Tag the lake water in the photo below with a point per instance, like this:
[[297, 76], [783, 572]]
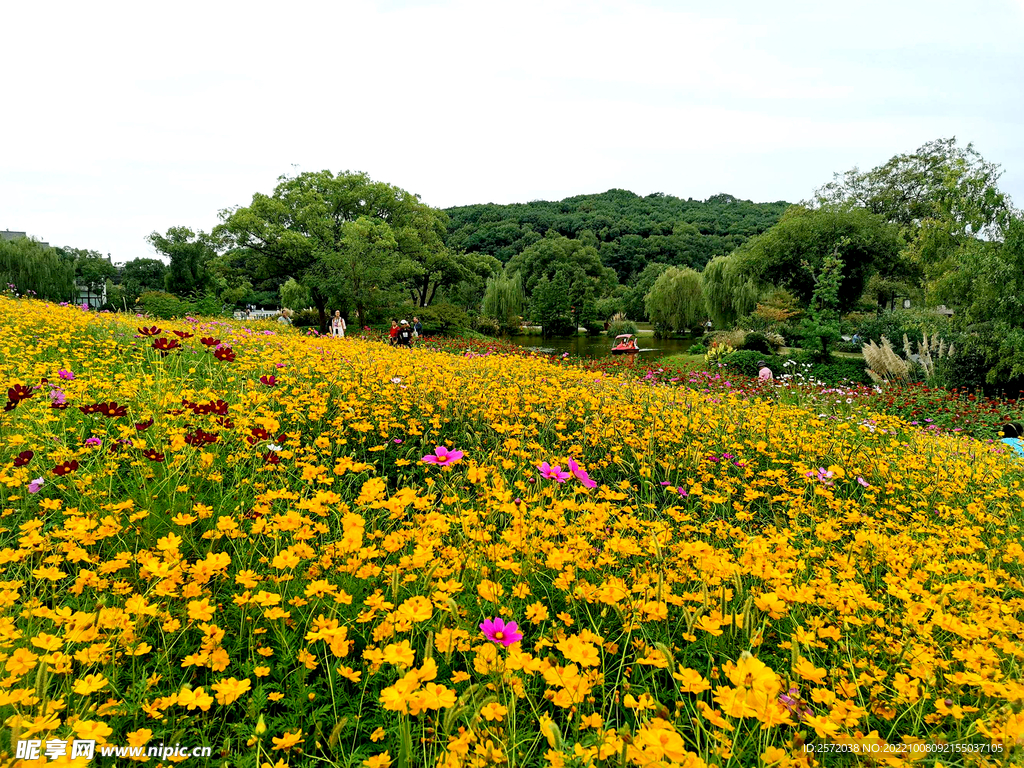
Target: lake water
[[601, 346]]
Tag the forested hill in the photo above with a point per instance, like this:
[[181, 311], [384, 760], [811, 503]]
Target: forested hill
[[628, 230]]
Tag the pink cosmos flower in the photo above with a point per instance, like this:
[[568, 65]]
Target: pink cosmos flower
[[581, 474], [863, 482], [497, 631], [66, 375], [36, 484], [553, 473], [442, 457], [94, 441]]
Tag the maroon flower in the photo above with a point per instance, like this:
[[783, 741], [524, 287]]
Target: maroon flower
[[112, 410], [270, 381], [23, 458], [218, 407], [18, 392], [66, 468], [225, 354], [150, 331], [200, 438], [89, 409], [225, 422], [152, 455], [271, 457], [257, 434], [209, 341], [165, 346], [183, 334], [142, 426]]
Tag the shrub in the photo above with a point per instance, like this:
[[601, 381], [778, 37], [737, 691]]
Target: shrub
[[697, 348], [620, 325], [758, 342], [162, 305], [306, 318], [439, 318], [746, 361], [487, 326]]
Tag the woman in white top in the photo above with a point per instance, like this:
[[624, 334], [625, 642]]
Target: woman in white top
[[338, 325]]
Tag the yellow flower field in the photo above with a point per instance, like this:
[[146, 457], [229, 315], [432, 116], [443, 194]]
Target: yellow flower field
[[229, 537]]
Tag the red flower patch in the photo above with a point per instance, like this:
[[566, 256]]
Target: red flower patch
[[23, 458], [200, 438], [225, 354], [183, 334], [142, 426], [150, 331], [209, 341], [152, 455], [66, 468], [112, 410]]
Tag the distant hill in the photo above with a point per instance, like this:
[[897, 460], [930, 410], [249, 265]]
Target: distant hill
[[628, 230]]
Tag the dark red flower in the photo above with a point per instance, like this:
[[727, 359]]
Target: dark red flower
[[152, 455], [225, 422], [200, 438], [269, 381], [183, 334], [225, 354], [10, 405], [19, 392], [23, 458], [165, 346], [218, 407], [258, 434], [66, 468], [151, 331], [142, 426], [209, 341], [271, 457], [175, 411], [89, 409], [112, 410]]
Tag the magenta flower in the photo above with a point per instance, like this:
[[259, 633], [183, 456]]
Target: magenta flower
[[442, 457], [36, 484], [581, 474], [863, 482], [66, 375], [94, 441], [497, 631], [553, 473]]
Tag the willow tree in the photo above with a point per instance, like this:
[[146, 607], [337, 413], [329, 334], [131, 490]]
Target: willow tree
[[35, 269], [676, 300], [731, 289], [504, 300]]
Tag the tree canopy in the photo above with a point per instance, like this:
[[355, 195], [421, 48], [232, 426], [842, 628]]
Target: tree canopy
[[34, 268]]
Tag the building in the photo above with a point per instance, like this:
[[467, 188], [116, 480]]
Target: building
[[7, 234]]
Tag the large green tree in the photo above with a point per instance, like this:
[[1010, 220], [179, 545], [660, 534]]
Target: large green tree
[[140, 275], [190, 254], [346, 237], [92, 270], [555, 252], [35, 269], [504, 301], [676, 300]]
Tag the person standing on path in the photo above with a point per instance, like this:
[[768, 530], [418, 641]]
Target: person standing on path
[[338, 325], [417, 328]]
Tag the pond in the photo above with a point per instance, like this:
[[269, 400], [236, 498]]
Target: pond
[[601, 346]]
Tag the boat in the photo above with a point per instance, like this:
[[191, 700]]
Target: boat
[[625, 344]]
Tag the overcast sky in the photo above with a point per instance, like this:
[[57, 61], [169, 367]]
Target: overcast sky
[[120, 119]]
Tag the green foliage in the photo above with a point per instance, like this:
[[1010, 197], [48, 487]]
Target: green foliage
[[556, 253], [305, 318], [92, 270], [730, 289], [550, 306], [627, 230], [609, 306], [140, 275], [438, 318], [190, 254], [619, 327], [634, 299], [33, 268], [697, 348], [504, 301], [758, 342], [676, 300], [821, 327], [162, 305], [294, 295], [746, 361], [349, 240]]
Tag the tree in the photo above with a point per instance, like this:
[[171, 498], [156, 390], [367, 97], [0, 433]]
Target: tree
[[190, 254], [295, 295], [92, 270], [555, 252], [343, 236], [676, 300], [820, 327], [504, 300], [35, 269], [551, 307], [634, 300], [731, 287], [141, 275]]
